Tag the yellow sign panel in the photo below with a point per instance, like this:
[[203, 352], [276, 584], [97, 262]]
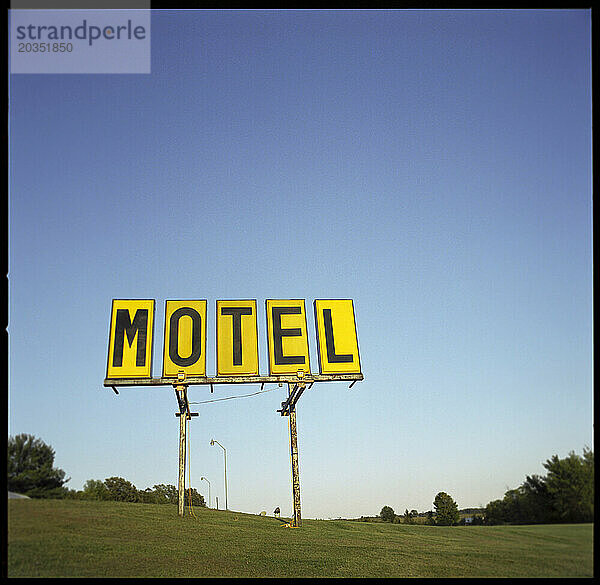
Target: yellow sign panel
[[185, 338], [237, 338], [287, 336], [130, 339], [337, 341]]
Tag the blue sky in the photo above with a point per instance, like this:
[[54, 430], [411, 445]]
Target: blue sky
[[433, 166]]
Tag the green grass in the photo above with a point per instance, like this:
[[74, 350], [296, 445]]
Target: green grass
[[70, 538]]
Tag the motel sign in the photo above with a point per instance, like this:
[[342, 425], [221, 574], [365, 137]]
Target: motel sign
[[131, 337], [130, 348]]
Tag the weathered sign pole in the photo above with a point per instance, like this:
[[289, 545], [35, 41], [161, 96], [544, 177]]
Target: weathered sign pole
[[182, 441], [288, 408], [295, 470], [184, 415]]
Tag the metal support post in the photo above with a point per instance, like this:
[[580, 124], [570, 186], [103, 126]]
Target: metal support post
[[295, 470], [182, 398]]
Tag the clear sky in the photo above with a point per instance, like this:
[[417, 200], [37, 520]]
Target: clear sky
[[433, 166]]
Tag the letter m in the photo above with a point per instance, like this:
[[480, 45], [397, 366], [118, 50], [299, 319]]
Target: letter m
[[125, 327]]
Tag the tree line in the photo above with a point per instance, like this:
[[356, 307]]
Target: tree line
[[564, 495], [120, 490], [446, 513], [31, 472]]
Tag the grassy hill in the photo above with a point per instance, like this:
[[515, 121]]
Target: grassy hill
[[70, 538]]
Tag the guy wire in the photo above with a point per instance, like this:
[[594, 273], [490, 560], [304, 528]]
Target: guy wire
[[239, 396]]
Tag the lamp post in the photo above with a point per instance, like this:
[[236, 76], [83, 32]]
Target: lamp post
[[208, 482], [212, 442]]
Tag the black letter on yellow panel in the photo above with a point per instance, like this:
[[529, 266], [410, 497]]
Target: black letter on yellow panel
[[196, 336], [332, 357], [124, 326], [236, 313], [279, 333]]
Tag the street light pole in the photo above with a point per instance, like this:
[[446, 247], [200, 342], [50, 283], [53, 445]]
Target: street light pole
[[212, 442], [208, 482]]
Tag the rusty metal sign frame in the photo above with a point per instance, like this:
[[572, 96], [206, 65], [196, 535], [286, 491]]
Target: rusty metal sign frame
[[203, 380]]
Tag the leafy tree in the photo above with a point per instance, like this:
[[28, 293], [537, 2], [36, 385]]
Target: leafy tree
[[95, 489], [570, 485], [537, 504], [566, 494], [147, 496], [197, 499], [121, 490], [477, 520], [69, 494], [519, 506], [30, 468], [387, 514], [166, 494], [496, 512], [446, 510]]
